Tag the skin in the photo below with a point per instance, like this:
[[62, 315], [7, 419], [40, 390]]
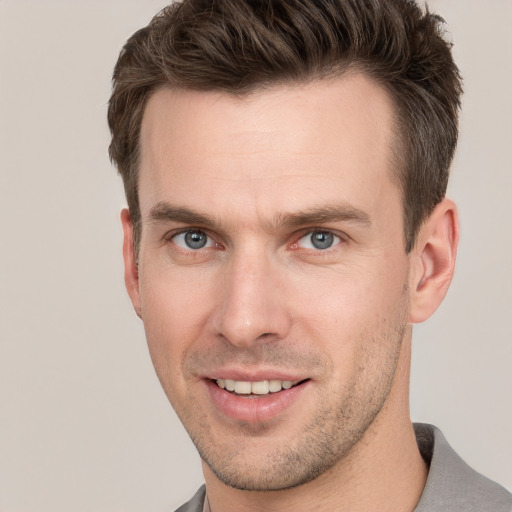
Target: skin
[[258, 175]]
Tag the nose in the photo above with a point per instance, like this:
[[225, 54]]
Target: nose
[[252, 305]]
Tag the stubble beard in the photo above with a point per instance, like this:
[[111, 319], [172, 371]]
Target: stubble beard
[[335, 429]]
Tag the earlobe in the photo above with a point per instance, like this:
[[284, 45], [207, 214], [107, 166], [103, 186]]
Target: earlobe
[[433, 263], [131, 272]]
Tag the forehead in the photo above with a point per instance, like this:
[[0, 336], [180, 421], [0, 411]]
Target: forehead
[[275, 149]]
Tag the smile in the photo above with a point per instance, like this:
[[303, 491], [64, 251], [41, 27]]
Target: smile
[[255, 401], [263, 387]]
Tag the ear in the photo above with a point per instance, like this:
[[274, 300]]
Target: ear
[[433, 260], [131, 272]]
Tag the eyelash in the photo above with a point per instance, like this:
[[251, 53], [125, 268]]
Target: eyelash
[[171, 236], [339, 239]]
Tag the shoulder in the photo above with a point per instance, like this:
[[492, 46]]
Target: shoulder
[[453, 485], [196, 503]]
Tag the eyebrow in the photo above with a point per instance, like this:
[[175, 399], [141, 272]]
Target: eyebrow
[[323, 215], [165, 212]]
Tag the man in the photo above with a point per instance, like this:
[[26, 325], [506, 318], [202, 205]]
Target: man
[[285, 165]]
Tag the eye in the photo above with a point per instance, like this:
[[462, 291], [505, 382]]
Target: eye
[[194, 239], [319, 240]]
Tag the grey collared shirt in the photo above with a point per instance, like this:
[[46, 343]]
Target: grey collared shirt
[[452, 486]]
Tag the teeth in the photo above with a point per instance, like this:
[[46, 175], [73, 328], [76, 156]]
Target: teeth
[[242, 388], [274, 385], [260, 388], [263, 387], [230, 384]]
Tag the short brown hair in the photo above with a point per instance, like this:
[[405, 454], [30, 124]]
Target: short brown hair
[[238, 46]]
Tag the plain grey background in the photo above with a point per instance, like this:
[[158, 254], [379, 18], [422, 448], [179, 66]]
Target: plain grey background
[[84, 425]]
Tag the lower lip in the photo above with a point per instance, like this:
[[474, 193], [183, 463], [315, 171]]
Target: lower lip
[[254, 408]]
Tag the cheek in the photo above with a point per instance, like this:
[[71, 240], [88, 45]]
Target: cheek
[[174, 297], [175, 312], [339, 300], [339, 309]]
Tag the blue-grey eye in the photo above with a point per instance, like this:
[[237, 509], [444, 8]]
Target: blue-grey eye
[[319, 240], [194, 239]]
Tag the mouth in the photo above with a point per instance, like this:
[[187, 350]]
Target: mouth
[[259, 388], [258, 399]]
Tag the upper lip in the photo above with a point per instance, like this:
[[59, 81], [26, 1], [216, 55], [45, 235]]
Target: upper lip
[[257, 375]]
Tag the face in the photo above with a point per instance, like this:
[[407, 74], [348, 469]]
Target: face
[[272, 275]]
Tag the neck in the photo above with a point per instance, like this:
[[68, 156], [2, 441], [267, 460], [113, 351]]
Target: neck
[[383, 472]]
